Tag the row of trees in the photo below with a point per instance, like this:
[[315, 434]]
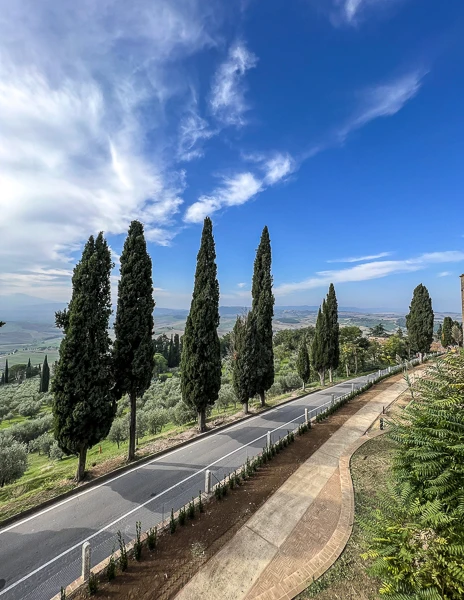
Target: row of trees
[[450, 333], [22, 371], [169, 349]]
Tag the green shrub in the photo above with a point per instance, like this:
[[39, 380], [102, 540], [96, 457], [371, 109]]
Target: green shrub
[[172, 523], [93, 584], [182, 516], [123, 562], [111, 568], [138, 543], [200, 503], [191, 509], [151, 538]]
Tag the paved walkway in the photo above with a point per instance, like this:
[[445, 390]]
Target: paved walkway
[[300, 531]]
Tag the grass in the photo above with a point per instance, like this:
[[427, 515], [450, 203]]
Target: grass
[[36, 356], [347, 579]]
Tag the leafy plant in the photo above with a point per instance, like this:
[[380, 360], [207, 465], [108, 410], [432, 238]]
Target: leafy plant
[[138, 543], [172, 522], [151, 538], [111, 568], [200, 503], [123, 561], [62, 594], [182, 516], [191, 509], [93, 584]]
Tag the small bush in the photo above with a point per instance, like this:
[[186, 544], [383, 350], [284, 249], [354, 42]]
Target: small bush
[[182, 516], [172, 523], [191, 509], [138, 543], [123, 562], [63, 594], [93, 584], [232, 481], [218, 492], [151, 538], [224, 488], [111, 568]]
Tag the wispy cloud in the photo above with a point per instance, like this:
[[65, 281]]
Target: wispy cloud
[[360, 258], [228, 90], [444, 274], [241, 187], [371, 270], [351, 12], [383, 100], [73, 152], [241, 285]]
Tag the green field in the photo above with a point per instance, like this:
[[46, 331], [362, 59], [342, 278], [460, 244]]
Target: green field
[[22, 356]]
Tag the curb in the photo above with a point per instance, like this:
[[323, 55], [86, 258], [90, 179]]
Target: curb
[[139, 463]]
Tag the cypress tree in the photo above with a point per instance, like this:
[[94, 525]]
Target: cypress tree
[[201, 351], [419, 321], [29, 369], [244, 358], [263, 307], [133, 326], [83, 405], [45, 377], [320, 346], [333, 331], [3, 379], [176, 350], [6, 372], [171, 358], [446, 332], [303, 363]]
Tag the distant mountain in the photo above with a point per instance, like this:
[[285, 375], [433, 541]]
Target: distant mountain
[[21, 307]]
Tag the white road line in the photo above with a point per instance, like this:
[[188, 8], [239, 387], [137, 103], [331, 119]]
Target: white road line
[[16, 583], [108, 481]]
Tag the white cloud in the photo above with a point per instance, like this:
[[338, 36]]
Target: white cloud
[[383, 100], [351, 12], [444, 274], [227, 94], [241, 285], [241, 187], [360, 258], [370, 270], [193, 130], [75, 103]]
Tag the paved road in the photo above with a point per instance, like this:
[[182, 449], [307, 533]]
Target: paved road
[[42, 553]]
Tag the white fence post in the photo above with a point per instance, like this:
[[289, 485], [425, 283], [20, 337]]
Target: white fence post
[[268, 439], [86, 561], [207, 482], [306, 415]]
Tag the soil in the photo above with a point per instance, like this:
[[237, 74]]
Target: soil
[[162, 573]]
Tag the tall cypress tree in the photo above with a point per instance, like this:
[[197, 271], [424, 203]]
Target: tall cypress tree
[[201, 351], [303, 363], [45, 376], [29, 369], [333, 332], [419, 321], [176, 350], [244, 358], [83, 405], [263, 308], [7, 380], [171, 358], [320, 346], [133, 326], [446, 332]]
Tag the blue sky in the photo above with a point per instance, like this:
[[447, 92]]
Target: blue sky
[[336, 123]]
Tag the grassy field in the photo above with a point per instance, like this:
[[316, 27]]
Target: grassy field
[[347, 579], [22, 356]]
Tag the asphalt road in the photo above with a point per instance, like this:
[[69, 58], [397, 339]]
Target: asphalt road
[[41, 553]]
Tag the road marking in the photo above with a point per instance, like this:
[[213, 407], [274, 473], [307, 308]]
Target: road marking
[[137, 467], [79, 544]]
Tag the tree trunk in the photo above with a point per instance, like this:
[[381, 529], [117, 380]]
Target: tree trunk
[[263, 398], [133, 408], [304, 386], [245, 408], [420, 357], [330, 375], [347, 370], [322, 377], [355, 363], [202, 420], [81, 464]]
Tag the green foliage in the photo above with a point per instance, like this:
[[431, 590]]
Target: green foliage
[[263, 311], [93, 584], [111, 568], [191, 509], [152, 538], [123, 560], [13, 459], [45, 376], [303, 364], [62, 594], [417, 534], [133, 326], [378, 331], [83, 405], [172, 522], [138, 543], [6, 373], [201, 353], [333, 327], [245, 358], [200, 503], [291, 339], [319, 347], [456, 333], [419, 321], [446, 336], [182, 516]]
